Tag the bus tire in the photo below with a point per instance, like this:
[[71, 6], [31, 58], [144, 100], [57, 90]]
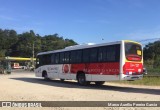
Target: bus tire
[[81, 79], [62, 80], [98, 83], [44, 75]]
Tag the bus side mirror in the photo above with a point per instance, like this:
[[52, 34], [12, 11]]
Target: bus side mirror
[[37, 64]]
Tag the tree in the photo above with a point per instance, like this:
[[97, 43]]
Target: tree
[[152, 54], [21, 45]]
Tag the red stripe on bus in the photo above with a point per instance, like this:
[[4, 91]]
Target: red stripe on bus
[[97, 68]]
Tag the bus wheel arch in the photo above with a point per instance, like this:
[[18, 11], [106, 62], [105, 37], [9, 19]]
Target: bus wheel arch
[[45, 75]]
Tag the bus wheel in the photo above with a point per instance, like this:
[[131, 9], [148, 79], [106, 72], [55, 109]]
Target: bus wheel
[[62, 80], [45, 75], [82, 79], [99, 83]]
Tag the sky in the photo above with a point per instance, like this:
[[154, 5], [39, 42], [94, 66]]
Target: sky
[[84, 21]]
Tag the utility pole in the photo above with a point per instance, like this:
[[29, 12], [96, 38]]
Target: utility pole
[[33, 53], [33, 50]]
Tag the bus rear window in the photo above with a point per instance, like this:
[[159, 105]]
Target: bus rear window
[[133, 52]]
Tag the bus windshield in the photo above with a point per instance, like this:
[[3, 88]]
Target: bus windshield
[[133, 51]]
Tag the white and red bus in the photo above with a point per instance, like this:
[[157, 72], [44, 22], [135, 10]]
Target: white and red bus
[[121, 60]]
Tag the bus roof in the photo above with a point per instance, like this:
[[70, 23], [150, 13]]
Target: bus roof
[[132, 41], [83, 46]]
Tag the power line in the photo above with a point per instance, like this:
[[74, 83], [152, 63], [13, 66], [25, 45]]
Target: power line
[[144, 40]]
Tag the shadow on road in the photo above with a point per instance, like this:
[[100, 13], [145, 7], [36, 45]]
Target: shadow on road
[[67, 84]]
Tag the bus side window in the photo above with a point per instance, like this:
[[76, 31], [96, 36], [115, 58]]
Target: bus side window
[[61, 58], [56, 58], [67, 57], [48, 59], [79, 56], [111, 53], [52, 58], [73, 57], [86, 55], [93, 55], [76, 56], [118, 52], [43, 62], [102, 54]]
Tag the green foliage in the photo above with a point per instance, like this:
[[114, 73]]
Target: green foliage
[[2, 53], [151, 81], [152, 55], [153, 71], [21, 45]]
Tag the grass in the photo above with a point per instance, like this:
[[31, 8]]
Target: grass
[[149, 81], [153, 71]]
